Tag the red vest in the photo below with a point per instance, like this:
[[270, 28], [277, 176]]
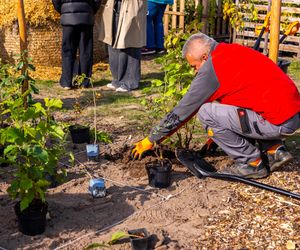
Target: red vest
[[251, 80]]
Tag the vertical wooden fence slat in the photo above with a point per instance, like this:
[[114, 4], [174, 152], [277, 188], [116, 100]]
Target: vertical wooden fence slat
[[166, 21], [266, 37], [181, 17], [174, 17]]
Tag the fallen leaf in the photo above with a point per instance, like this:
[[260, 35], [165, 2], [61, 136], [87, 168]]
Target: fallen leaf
[[290, 245]]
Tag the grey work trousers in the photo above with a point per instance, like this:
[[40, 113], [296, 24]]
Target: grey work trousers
[[226, 131]]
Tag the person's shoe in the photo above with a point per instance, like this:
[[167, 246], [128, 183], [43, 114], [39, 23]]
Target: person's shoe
[[110, 86], [252, 170], [160, 51], [122, 89], [66, 87], [146, 51], [277, 156]]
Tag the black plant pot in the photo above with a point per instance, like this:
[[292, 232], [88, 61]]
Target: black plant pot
[[53, 182], [283, 64], [2, 164], [32, 220], [159, 173], [140, 242], [80, 134]]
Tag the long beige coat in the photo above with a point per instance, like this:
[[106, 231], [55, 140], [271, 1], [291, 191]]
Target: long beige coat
[[131, 31]]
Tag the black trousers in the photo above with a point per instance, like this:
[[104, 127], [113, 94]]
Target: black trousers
[[74, 38]]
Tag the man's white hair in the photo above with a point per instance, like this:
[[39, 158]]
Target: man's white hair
[[197, 45]]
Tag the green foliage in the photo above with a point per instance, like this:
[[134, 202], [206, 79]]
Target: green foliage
[[118, 236], [168, 92], [101, 136], [114, 239], [236, 13], [294, 70], [192, 12], [33, 140], [212, 13]]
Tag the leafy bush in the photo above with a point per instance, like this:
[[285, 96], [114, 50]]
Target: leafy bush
[[168, 92], [33, 140]]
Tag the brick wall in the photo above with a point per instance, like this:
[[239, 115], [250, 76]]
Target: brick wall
[[44, 45]]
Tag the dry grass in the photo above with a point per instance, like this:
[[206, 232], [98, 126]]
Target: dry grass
[[37, 12]]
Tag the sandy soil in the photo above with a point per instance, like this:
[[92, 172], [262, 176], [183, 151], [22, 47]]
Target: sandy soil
[[190, 214]]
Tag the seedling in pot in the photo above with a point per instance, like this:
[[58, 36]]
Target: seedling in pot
[[159, 171], [139, 239], [79, 133], [35, 143], [93, 150]]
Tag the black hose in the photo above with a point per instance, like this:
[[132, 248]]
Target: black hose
[[250, 182], [257, 43]]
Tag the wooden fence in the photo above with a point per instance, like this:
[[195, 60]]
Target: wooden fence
[[212, 21], [290, 11]]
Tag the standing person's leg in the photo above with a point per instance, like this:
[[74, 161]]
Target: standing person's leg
[[113, 54], [129, 73], [151, 14], [86, 52], [113, 59], [70, 41], [159, 28]]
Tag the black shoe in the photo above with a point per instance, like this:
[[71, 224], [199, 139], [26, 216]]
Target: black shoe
[[160, 51], [249, 171], [278, 157], [146, 51]]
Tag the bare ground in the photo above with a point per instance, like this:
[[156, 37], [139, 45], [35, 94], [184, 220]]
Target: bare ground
[[190, 214]]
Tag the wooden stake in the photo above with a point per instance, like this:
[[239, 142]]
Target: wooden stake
[[23, 44], [275, 30]]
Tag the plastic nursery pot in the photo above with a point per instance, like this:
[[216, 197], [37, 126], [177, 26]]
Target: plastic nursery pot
[[32, 220], [79, 133], [283, 64], [92, 152], [159, 173], [53, 182], [97, 188], [139, 239], [2, 164]]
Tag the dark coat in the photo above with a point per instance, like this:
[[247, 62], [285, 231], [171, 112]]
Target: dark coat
[[76, 12]]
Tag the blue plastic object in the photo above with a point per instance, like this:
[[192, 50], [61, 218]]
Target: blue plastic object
[[97, 188], [92, 152]]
